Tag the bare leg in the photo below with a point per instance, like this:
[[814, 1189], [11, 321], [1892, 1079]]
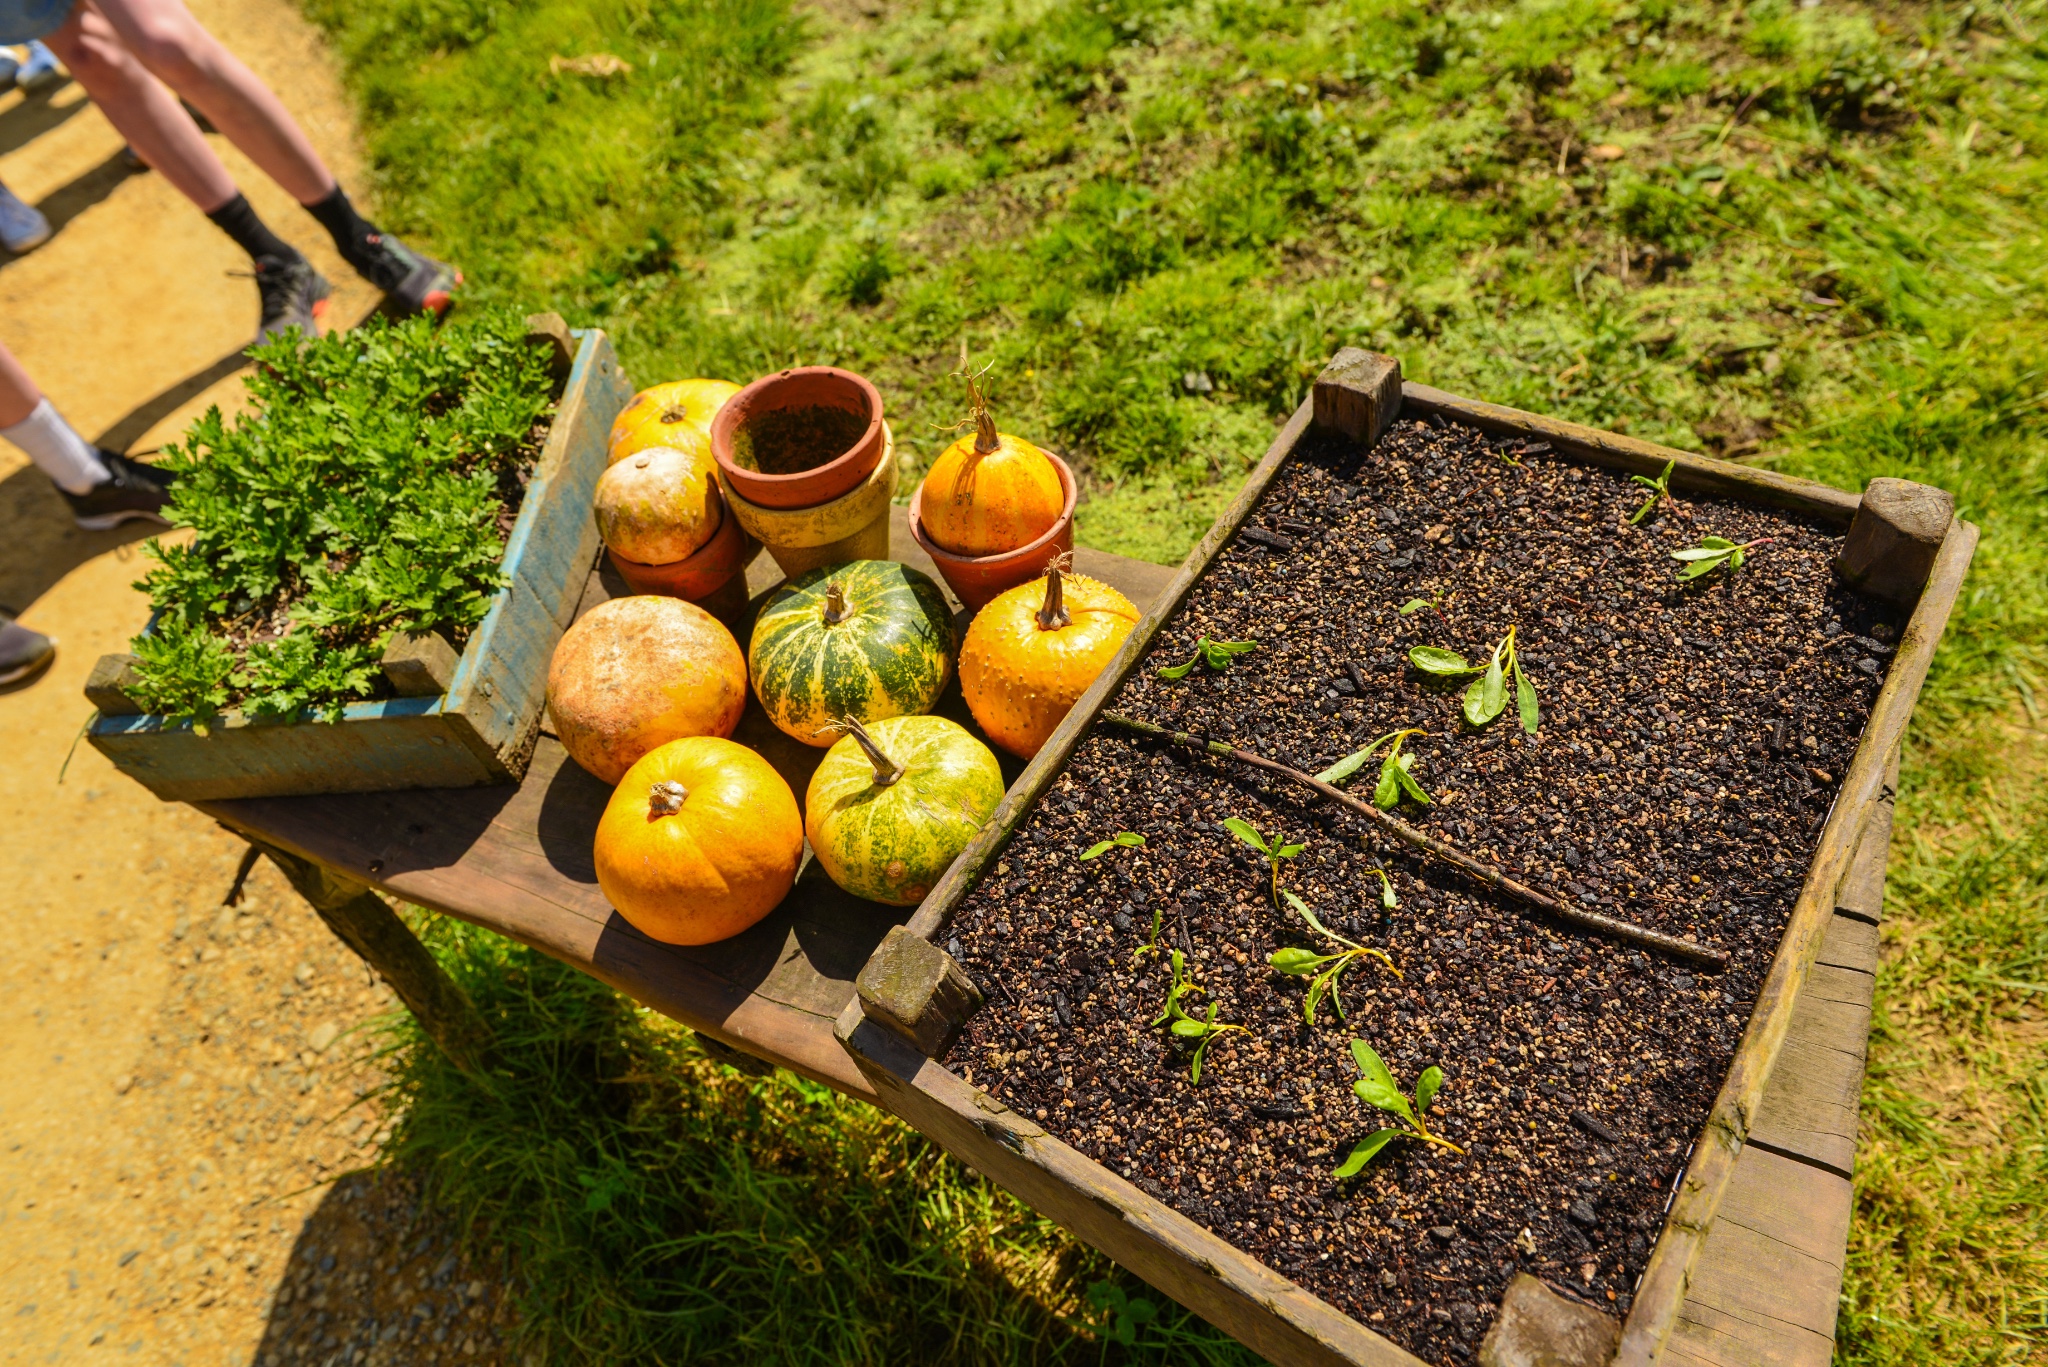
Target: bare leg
[[165, 37], [141, 110], [18, 393]]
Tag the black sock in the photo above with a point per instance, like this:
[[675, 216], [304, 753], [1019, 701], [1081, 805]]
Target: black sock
[[352, 233], [251, 234]]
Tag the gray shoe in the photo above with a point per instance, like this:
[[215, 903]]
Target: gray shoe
[[23, 652], [22, 226], [40, 73], [294, 295]]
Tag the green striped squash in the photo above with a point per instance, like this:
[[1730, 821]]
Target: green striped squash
[[868, 639], [889, 842]]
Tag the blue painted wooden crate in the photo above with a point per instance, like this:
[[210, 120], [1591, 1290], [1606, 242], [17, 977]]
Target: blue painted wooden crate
[[482, 729]]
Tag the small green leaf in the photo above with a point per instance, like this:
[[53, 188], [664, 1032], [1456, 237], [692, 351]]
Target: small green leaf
[[1496, 691], [1351, 763], [1525, 699], [1735, 558], [1387, 898], [1388, 791], [1288, 851], [1297, 962], [1376, 1086], [1363, 1151], [1695, 570], [1442, 663], [1187, 1028], [1130, 840], [1426, 1088], [1248, 833], [1414, 605], [1475, 703], [1096, 849], [1316, 992], [1409, 785], [1179, 671]]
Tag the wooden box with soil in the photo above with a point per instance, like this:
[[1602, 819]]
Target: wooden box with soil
[[1656, 862], [452, 719]]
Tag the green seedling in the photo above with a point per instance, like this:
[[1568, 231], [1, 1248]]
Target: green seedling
[[1396, 777], [1487, 697], [1713, 552], [1217, 654], [1324, 970], [1200, 1028], [1434, 604], [1375, 1087], [1660, 489], [1276, 852], [1130, 840], [1150, 946]]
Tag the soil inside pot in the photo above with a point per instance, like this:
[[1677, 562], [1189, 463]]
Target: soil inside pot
[[789, 441], [1691, 741]]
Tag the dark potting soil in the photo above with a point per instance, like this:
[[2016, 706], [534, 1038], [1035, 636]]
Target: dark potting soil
[[1692, 738], [789, 441]]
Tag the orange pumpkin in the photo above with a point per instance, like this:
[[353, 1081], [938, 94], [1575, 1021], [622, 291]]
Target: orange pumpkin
[[990, 492], [676, 414], [657, 506], [700, 840], [1033, 651], [635, 673]]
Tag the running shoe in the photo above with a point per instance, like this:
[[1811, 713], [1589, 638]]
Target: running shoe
[[294, 295], [40, 73], [23, 652], [133, 491], [22, 226], [414, 282]]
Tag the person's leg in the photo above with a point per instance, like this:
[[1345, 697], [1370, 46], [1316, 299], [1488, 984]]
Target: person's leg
[[104, 489]]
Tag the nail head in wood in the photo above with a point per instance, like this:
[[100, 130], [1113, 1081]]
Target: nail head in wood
[[551, 330], [420, 666], [1892, 542], [1358, 394], [1537, 1327], [107, 687], [914, 988]]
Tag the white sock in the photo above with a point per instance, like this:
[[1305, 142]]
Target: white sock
[[71, 462]]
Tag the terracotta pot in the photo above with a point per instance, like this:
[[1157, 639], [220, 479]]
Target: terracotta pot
[[700, 574], [814, 386], [854, 526], [975, 579]]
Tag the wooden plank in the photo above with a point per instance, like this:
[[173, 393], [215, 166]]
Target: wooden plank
[[1693, 473], [1238, 1294]]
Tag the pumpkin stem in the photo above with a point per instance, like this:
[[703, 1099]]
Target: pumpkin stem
[[1053, 614], [666, 798], [835, 604], [986, 439], [673, 414], [887, 770]]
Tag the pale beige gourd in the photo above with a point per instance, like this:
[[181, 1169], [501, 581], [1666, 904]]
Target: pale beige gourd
[[658, 506]]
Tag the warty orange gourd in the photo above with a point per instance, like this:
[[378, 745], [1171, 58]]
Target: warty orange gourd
[[1033, 651]]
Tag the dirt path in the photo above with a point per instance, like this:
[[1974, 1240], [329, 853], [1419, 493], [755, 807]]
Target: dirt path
[[178, 1084]]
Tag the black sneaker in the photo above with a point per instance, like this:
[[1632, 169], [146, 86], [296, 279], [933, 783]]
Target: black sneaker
[[23, 652], [412, 282], [133, 491], [294, 296]]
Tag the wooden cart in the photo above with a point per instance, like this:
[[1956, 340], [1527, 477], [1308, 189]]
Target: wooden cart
[[1749, 1266]]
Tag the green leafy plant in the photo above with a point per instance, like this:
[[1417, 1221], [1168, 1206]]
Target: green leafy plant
[[1487, 697], [1325, 970], [1277, 851], [1216, 654], [1713, 552], [361, 493], [1375, 1087], [1435, 604], [1660, 489], [1175, 1017], [1396, 777], [1151, 946], [1129, 840], [1122, 1315]]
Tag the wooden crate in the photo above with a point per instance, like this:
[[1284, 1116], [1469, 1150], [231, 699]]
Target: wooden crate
[[1903, 542], [482, 729]]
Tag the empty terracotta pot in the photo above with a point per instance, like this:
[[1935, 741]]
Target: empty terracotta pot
[[700, 574], [854, 526], [799, 438], [975, 579]]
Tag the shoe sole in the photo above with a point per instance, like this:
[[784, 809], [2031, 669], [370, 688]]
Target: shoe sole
[[24, 245], [106, 522], [31, 669]]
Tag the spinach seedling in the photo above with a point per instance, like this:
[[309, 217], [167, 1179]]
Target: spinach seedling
[[1434, 604], [1275, 852], [1130, 840], [1375, 1087], [1713, 552], [1323, 970], [1175, 1017], [1218, 654], [1396, 780], [1487, 697], [1150, 946], [1660, 489]]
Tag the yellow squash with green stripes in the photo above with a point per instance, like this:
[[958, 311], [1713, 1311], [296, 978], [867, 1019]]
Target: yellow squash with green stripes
[[893, 803], [867, 639]]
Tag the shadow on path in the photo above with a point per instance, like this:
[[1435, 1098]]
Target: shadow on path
[[36, 116]]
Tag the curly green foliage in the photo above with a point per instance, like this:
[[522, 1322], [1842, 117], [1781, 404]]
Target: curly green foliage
[[359, 495]]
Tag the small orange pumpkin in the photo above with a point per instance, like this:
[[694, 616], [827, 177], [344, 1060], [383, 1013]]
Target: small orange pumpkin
[[658, 506], [700, 840], [990, 492], [1033, 651], [675, 414], [638, 672]]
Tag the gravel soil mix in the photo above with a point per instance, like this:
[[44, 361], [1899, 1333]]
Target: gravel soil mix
[[1691, 740]]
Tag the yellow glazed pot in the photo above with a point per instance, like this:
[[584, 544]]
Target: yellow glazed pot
[[854, 526]]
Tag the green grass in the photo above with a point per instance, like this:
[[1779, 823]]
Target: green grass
[[1808, 236]]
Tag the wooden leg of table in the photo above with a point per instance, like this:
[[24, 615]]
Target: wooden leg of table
[[367, 924]]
